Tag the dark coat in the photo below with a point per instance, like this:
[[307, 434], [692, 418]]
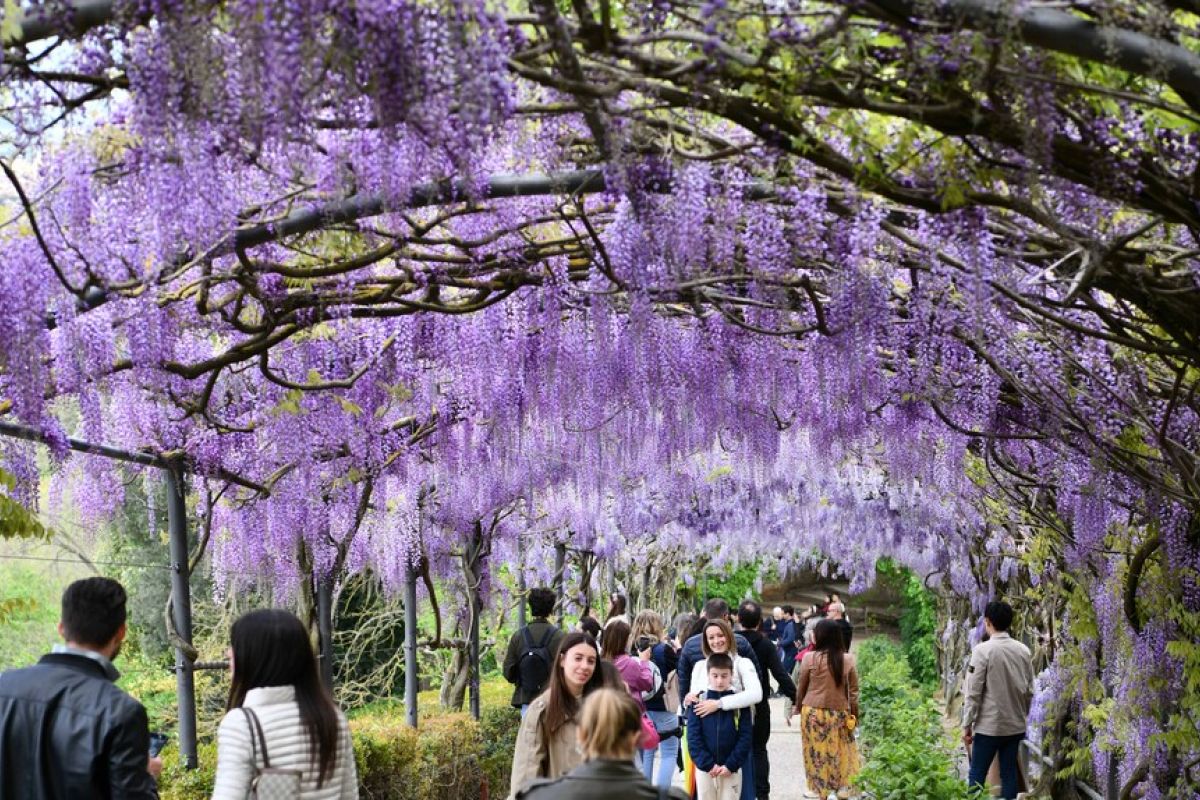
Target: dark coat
[[600, 780], [723, 738], [693, 651], [68, 733], [769, 663], [787, 640], [516, 648]]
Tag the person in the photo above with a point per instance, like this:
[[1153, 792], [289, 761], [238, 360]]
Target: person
[[837, 613], [827, 696], [66, 731], [609, 729], [636, 672], [999, 691], [684, 625], [787, 636], [530, 655], [547, 744], [751, 616], [693, 649], [590, 626], [616, 609], [276, 698], [719, 743], [771, 624], [648, 627]]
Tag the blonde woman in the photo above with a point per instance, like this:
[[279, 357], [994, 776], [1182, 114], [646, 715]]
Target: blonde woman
[[648, 629], [609, 730]]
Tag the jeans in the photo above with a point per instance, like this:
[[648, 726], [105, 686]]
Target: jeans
[[983, 749], [668, 748]]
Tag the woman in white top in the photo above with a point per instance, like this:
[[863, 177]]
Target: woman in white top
[[275, 680], [718, 638]]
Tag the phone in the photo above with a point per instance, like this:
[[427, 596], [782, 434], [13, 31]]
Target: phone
[[157, 742]]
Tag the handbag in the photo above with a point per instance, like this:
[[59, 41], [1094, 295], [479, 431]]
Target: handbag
[[650, 739], [851, 720], [267, 782]]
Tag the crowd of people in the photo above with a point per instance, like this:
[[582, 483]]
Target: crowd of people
[[612, 709], [701, 688]]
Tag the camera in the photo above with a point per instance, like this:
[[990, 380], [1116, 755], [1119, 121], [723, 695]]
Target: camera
[[644, 643]]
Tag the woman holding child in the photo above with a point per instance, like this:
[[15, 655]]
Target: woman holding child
[[744, 692]]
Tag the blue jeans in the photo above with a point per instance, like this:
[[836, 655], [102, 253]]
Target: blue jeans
[[667, 750], [984, 748]]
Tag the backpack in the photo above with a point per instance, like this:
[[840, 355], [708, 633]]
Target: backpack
[[533, 666], [656, 681]]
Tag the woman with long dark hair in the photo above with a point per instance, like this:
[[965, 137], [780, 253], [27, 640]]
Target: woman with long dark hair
[[278, 710], [614, 647], [827, 699], [617, 609], [547, 743], [609, 730]]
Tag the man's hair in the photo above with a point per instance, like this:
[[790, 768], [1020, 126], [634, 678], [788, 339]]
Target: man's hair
[[93, 609], [716, 608], [719, 661], [590, 626], [1000, 614], [541, 601], [789, 609], [750, 615]]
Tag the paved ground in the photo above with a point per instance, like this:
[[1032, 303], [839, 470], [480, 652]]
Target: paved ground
[[787, 758]]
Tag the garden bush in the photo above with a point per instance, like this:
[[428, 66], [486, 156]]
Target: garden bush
[[448, 758], [907, 755]]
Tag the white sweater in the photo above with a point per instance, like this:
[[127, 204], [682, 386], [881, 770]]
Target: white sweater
[[746, 685], [287, 746]]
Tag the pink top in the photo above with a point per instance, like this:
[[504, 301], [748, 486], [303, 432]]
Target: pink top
[[637, 676]]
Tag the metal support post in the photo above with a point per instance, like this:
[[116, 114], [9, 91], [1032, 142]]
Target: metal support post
[[475, 602], [325, 629], [411, 675], [181, 604], [522, 589]]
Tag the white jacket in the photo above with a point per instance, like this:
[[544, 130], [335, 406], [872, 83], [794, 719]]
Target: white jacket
[[746, 685], [287, 746]]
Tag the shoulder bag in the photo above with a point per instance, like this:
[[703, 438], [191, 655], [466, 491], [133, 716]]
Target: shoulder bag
[[267, 782]]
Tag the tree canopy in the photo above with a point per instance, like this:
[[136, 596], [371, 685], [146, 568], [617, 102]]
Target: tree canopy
[[829, 279]]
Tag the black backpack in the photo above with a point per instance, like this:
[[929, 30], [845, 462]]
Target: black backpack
[[533, 666]]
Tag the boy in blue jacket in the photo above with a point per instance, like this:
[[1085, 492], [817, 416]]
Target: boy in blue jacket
[[719, 743]]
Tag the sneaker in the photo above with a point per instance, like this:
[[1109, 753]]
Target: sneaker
[[811, 795]]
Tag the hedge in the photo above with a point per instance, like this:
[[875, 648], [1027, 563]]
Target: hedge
[[447, 758], [908, 756]]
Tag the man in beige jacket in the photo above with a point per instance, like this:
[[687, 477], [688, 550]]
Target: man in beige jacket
[[999, 690]]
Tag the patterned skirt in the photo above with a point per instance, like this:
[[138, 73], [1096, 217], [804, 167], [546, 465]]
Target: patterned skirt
[[830, 753]]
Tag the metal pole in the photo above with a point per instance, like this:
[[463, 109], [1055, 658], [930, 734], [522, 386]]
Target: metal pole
[[560, 580], [181, 604], [522, 589], [411, 675], [475, 601], [325, 629]]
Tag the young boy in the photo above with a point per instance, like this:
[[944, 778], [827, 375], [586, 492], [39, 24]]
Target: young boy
[[720, 743]]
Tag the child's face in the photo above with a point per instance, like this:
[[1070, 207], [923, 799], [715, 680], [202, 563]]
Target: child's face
[[719, 679]]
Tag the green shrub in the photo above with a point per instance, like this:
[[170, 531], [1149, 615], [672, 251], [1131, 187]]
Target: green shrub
[[448, 758], [907, 755]]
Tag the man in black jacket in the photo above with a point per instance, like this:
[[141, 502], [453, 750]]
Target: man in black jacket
[[531, 653], [66, 732], [750, 617]]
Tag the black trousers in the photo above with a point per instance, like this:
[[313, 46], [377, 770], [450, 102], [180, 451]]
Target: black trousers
[[762, 764]]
